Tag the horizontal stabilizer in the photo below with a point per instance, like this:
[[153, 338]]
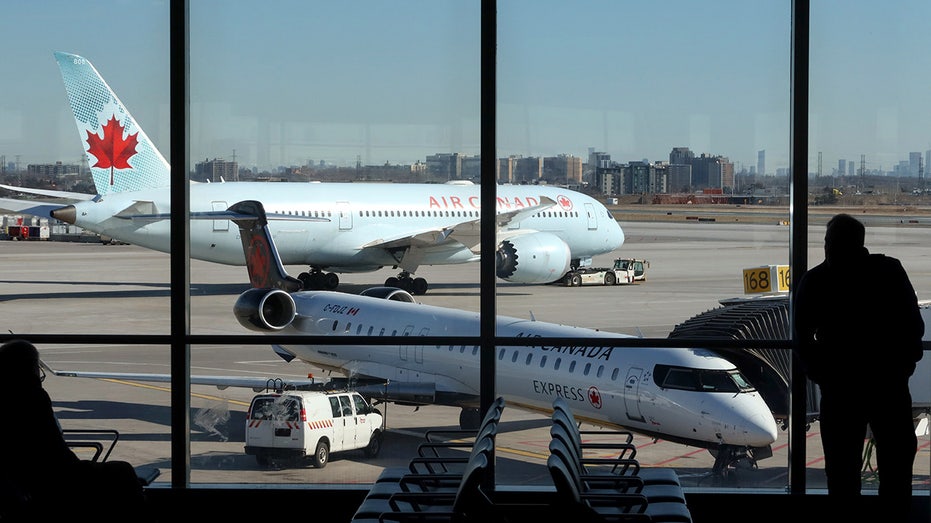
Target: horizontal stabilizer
[[29, 207], [78, 196]]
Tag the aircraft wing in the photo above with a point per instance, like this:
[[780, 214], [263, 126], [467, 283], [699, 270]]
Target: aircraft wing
[[80, 196], [257, 383], [468, 233]]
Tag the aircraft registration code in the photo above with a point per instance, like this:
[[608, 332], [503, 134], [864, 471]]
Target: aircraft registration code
[[767, 279]]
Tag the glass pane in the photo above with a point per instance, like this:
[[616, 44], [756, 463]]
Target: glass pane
[[678, 116], [346, 122], [69, 274], [137, 408], [868, 156], [57, 120]]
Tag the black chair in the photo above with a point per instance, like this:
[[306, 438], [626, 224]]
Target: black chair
[[467, 502], [432, 475], [626, 462], [432, 452], [571, 504], [620, 500], [426, 480], [17, 503], [470, 503], [97, 440], [91, 439], [608, 481]]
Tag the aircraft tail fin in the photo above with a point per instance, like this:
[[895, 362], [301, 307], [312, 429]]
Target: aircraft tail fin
[[262, 260], [120, 155]]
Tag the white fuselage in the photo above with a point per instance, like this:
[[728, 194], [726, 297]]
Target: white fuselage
[[357, 215], [608, 385]]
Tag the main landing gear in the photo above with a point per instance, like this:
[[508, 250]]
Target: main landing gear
[[317, 280], [470, 418], [416, 286]]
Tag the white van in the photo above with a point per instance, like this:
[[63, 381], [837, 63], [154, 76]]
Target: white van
[[294, 425]]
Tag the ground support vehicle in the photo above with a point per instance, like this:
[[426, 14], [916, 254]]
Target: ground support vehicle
[[291, 426], [28, 232], [625, 271]]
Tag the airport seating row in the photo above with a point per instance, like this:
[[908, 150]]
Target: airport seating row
[[437, 486], [609, 489]]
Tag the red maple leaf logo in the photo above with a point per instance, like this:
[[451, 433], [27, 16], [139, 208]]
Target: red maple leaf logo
[[594, 397], [112, 151], [564, 202], [259, 261]]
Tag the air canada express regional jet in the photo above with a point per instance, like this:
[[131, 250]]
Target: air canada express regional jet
[[689, 396], [329, 227]]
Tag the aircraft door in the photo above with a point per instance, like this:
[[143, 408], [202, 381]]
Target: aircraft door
[[406, 351], [220, 225], [345, 216], [592, 219], [632, 394]]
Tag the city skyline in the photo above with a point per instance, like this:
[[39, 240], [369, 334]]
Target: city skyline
[[377, 83]]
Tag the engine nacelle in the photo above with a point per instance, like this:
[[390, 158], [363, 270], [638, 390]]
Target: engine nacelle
[[265, 309], [538, 257], [388, 293]]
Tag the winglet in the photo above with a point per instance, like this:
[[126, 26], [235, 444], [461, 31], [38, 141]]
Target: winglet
[[262, 260]]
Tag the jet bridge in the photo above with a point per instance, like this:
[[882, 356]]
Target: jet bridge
[[767, 317], [768, 369]]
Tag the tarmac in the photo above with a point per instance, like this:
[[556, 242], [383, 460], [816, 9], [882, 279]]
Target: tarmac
[[87, 288]]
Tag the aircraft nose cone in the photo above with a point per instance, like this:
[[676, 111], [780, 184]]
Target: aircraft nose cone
[[619, 236], [761, 430], [66, 214]]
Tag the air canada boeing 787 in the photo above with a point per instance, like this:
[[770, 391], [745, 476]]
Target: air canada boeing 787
[[331, 228]]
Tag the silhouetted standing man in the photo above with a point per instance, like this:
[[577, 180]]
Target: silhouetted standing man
[[859, 330]]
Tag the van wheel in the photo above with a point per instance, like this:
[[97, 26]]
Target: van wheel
[[322, 454], [374, 445]]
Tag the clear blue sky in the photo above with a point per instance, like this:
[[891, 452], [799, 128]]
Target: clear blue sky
[[287, 82]]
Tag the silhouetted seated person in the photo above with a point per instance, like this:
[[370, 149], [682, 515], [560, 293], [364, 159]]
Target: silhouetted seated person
[[41, 477]]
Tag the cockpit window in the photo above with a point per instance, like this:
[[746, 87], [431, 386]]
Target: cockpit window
[[703, 380]]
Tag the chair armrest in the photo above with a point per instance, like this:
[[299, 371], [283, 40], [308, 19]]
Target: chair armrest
[[96, 445], [111, 434]]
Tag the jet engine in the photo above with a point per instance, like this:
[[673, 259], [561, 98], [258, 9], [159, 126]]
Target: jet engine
[[539, 257], [264, 309], [388, 293]]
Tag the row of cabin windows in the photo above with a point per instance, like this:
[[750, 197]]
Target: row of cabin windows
[[463, 214], [665, 376], [462, 348], [420, 214], [309, 214]]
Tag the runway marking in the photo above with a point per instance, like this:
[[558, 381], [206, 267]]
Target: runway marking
[[168, 389]]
